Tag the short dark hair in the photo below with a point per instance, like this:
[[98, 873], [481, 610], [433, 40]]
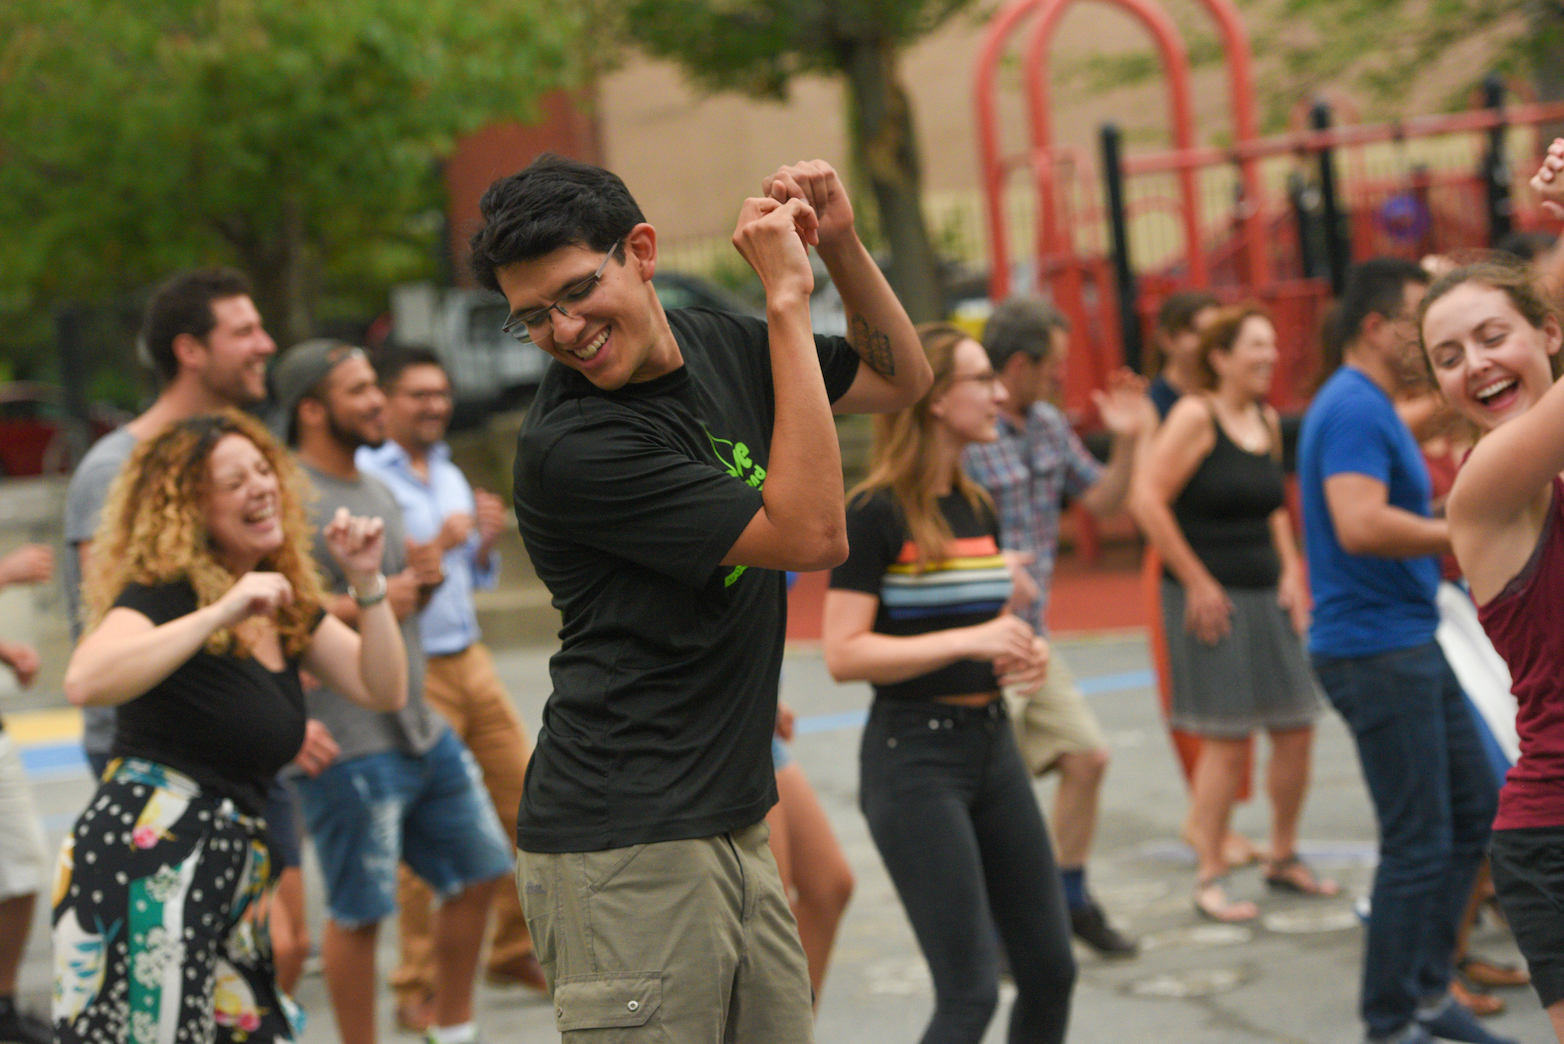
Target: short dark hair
[[183, 305], [554, 202], [1024, 323], [391, 360], [1374, 287], [1178, 310]]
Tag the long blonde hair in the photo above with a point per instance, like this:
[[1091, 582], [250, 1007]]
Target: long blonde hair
[[901, 459], [153, 529]]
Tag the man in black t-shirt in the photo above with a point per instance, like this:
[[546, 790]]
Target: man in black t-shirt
[[672, 465]]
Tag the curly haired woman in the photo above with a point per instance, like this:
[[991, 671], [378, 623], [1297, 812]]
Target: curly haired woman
[[204, 604]]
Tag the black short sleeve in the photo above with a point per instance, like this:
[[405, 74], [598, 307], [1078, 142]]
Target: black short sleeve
[[874, 540], [615, 483], [159, 603], [838, 365]]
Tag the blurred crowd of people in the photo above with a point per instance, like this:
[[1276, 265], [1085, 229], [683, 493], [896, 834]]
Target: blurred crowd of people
[[277, 640]]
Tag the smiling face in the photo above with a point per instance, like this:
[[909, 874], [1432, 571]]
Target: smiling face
[[968, 406], [1490, 362], [1247, 367], [232, 357], [418, 407], [354, 410], [615, 333], [243, 504]]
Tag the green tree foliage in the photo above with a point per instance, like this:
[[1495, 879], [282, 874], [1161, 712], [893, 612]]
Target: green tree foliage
[[758, 46], [298, 139]]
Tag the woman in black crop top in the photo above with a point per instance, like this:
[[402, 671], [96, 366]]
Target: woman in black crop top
[[204, 605], [1235, 602], [919, 610]]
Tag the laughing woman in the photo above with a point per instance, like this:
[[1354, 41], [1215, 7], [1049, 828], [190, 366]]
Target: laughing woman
[[1211, 500], [205, 605], [1492, 339], [918, 610]]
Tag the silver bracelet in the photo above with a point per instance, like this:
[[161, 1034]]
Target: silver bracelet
[[366, 601]]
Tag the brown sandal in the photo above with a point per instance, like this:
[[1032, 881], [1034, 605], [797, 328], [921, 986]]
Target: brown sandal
[[1211, 902], [1478, 1002], [1292, 874]]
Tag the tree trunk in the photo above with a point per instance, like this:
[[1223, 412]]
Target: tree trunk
[[887, 153], [279, 265], [1544, 43]]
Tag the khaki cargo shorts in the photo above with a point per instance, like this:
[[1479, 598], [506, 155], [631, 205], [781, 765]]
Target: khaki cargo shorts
[[686, 942], [1054, 721]]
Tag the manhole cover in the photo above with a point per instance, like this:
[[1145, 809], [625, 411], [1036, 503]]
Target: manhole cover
[[1306, 922], [1199, 982], [1201, 936]]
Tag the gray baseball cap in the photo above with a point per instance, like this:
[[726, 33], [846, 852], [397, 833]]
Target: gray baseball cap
[[299, 372]]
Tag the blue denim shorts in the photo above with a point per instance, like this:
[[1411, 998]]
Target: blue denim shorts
[[432, 812]]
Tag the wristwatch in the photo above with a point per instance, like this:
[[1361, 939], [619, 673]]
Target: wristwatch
[[364, 601]]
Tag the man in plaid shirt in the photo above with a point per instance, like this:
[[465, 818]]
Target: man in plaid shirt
[[1035, 465]]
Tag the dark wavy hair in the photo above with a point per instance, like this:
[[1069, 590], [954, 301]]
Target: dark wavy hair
[[553, 203]]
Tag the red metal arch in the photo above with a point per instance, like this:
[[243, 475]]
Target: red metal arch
[[1235, 43]]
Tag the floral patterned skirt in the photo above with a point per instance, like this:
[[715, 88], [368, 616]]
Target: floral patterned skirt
[[160, 927]]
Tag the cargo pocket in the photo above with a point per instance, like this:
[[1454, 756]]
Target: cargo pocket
[[623, 1001]]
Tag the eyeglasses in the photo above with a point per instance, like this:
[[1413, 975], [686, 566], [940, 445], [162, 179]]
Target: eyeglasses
[[987, 380], [526, 326]]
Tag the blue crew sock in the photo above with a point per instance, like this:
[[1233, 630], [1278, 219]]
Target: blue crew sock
[[1076, 896]]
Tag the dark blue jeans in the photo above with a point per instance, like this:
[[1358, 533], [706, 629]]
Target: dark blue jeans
[[1434, 798], [951, 809]]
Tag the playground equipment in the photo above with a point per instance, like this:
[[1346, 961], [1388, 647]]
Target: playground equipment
[[1109, 243]]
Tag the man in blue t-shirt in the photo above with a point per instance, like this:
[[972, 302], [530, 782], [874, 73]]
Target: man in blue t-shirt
[[1372, 549]]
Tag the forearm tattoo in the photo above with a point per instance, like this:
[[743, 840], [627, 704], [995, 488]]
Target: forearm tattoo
[[873, 346]]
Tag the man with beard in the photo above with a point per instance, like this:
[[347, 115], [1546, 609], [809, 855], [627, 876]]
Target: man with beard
[[204, 338], [400, 786]]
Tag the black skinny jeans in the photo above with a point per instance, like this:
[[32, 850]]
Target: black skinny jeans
[[952, 812]]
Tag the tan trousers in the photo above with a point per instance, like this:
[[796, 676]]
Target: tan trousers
[[673, 942], [464, 689]]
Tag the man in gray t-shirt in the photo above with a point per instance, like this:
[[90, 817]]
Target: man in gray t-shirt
[[83, 505], [207, 344], [402, 785], [415, 728]]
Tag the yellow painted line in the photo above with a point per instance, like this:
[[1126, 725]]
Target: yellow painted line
[[29, 728]]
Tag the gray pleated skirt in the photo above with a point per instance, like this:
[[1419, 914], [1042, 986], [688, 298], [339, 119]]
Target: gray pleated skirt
[[1255, 678]]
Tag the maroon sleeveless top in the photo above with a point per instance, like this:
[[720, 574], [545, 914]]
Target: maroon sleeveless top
[[1525, 622]]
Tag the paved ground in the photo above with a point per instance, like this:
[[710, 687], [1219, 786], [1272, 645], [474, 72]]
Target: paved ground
[[1290, 979]]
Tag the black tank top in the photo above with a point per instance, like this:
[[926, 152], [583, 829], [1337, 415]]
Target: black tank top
[[1225, 513]]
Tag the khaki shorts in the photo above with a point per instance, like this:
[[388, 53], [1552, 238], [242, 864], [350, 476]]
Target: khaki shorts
[[1054, 721], [685, 942], [24, 868]]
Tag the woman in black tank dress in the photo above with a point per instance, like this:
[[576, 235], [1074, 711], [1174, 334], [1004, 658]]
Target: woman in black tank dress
[[1235, 601]]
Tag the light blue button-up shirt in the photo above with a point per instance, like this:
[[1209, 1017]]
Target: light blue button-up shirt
[[448, 622]]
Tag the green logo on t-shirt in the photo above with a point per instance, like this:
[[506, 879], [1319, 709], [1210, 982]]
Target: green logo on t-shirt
[[740, 465]]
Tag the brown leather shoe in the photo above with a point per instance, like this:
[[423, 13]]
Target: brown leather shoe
[[414, 1013], [518, 971]]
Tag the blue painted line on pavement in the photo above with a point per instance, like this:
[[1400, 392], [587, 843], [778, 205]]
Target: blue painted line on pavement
[[1097, 686], [853, 719], [52, 762], [1106, 683]]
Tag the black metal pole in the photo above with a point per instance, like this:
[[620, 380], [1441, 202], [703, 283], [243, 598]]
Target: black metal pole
[[1338, 249], [1305, 201], [71, 353], [1496, 172], [1123, 273]]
